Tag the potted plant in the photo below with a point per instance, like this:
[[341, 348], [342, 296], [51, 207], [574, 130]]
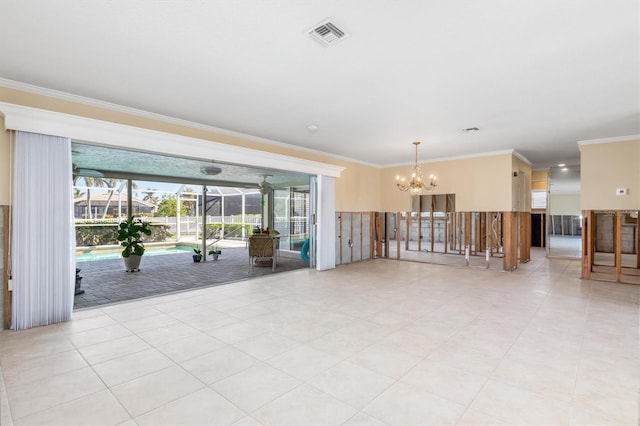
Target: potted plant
[[130, 236], [215, 252], [197, 257]]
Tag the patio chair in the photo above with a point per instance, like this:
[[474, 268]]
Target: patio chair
[[263, 250]]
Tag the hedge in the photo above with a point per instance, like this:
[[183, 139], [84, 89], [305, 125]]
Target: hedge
[[106, 234], [231, 230]]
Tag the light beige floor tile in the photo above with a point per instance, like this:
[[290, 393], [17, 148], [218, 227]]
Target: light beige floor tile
[[128, 367], [32, 397], [130, 422], [612, 370], [445, 381], [99, 335], [340, 344], [101, 352], [558, 354], [303, 362], [227, 304], [161, 335], [87, 313], [351, 383], [219, 364], [247, 421], [304, 330], [363, 419], [5, 410], [149, 323], [404, 404], [40, 368], [154, 390], [612, 400], [203, 407], [176, 305], [248, 311], [186, 348], [266, 346], [466, 358], [78, 325], [584, 415], [391, 317], [256, 386], [304, 405], [384, 360], [519, 406], [236, 332], [16, 347], [474, 418], [134, 312], [100, 408], [536, 378], [438, 331], [205, 319], [413, 343]]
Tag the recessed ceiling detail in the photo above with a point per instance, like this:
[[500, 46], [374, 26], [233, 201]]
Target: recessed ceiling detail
[[327, 33]]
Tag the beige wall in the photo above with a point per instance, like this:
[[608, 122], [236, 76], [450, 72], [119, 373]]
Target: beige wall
[[606, 167], [358, 188], [5, 162], [539, 179], [355, 188], [564, 204], [479, 183], [521, 198]]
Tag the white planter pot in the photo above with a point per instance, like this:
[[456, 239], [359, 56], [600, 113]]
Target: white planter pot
[[132, 263]]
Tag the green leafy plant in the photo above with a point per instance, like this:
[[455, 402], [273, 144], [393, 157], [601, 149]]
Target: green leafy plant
[[215, 250], [130, 236], [197, 257]]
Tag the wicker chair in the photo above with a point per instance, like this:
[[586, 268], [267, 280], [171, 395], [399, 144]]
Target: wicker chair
[[263, 248]]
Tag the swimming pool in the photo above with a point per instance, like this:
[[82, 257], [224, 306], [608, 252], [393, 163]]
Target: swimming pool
[[101, 254]]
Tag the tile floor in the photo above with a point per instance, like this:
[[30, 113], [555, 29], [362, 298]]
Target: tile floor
[[373, 343]]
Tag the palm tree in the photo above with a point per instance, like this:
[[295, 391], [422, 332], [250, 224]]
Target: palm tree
[[77, 193], [111, 184], [95, 182], [150, 196]]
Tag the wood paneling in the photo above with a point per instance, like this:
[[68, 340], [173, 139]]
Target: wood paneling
[[510, 233]]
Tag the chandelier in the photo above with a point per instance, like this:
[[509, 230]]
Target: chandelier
[[417, 183]]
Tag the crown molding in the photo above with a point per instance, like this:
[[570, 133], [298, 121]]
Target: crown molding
[[19, 117], [467, 156], [609, 140]]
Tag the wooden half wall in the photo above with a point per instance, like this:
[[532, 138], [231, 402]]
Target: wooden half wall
[[611, 246]]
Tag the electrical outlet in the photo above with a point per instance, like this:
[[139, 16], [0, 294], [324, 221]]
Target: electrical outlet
[[621, 191]]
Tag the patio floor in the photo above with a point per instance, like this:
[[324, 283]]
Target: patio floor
[[106, 282]]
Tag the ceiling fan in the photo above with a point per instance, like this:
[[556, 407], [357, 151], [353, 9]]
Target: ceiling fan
[[77, 171], [265, 187]]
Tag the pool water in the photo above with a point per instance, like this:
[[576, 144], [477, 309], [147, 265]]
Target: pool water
[[150, 251]]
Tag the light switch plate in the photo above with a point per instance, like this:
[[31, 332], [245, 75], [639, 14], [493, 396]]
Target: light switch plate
[[621, 191]]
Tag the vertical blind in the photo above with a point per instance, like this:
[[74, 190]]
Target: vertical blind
[[42, 238]]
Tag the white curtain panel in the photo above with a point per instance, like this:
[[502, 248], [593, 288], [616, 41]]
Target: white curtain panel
[[43, 235], [326, 220]]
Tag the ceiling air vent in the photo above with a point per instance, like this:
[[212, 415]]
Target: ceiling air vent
[[327, 33]]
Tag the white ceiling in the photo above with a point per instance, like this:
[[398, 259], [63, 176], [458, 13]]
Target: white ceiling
[[534, 75]]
